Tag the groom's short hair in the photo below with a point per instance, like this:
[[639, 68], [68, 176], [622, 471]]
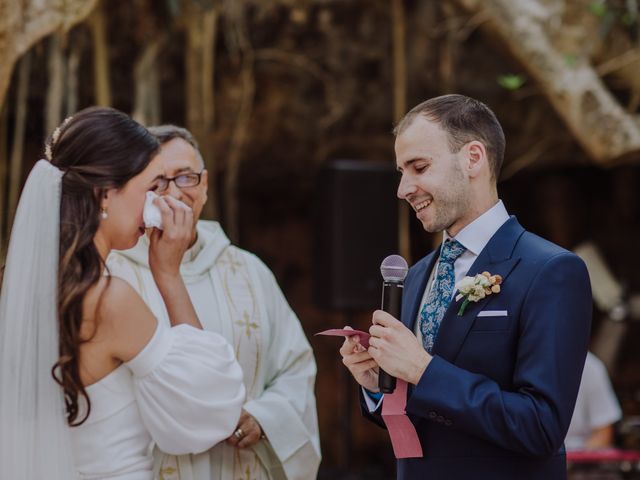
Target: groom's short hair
[[464, 119]]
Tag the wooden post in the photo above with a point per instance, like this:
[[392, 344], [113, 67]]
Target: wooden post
[[400, 108]]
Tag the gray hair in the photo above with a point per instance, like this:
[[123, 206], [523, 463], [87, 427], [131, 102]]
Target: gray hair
[[166, 133]]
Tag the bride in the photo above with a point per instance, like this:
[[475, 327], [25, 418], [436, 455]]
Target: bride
[[89, 381]]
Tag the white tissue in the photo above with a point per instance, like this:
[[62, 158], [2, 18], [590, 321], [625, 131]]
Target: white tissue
[[151, 213]]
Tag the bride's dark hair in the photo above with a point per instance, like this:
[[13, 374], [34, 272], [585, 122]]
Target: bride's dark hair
[[97, 149]]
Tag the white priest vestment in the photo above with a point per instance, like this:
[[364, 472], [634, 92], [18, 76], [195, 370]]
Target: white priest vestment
[[236, 295]]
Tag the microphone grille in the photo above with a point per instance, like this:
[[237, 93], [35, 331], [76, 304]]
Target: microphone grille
[[394, 268]]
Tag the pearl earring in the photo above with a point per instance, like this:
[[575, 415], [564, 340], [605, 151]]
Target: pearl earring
[[103, 214]]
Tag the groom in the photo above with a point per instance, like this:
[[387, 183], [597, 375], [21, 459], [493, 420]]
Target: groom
[[492, 388]]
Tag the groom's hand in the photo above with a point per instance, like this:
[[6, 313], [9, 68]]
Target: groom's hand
[[396, 349], [356, 358]]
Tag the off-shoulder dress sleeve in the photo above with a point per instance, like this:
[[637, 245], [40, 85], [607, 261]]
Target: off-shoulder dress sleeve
[[189, 389]]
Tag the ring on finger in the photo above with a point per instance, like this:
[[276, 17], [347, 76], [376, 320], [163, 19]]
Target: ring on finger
[[239, 433]]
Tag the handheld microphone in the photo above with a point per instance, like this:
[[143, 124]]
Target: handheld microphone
[[394, 269]]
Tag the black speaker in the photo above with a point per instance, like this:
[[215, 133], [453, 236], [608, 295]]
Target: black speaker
[[356, 227]]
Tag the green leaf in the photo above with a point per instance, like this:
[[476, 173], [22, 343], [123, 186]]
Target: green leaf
[[627, 19], [174, 7], [511, 81], [598, 9], [570, 59], [463, 307]]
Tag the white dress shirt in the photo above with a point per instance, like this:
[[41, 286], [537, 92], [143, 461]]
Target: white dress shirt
[[474, 237], [596, 405]]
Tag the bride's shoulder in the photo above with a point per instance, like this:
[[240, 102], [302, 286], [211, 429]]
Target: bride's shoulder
[[111, 295], [121, 316]]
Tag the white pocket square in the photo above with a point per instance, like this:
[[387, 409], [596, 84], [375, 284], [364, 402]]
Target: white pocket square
[[493, 313]]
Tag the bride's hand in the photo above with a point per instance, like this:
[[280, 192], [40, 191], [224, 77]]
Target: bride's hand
[[169, 245]]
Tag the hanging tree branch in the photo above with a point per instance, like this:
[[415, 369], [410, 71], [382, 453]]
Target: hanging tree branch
[[98, 26], [26, 22], [574, 88], [73, 63], [200, 24], [238, 40], [56, 89], [147, 84], [15, 168], [4, 181]]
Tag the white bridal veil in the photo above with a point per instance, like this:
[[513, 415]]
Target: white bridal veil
[[34, 436]]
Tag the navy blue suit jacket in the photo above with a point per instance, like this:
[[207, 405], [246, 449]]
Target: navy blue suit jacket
[[497, 398]]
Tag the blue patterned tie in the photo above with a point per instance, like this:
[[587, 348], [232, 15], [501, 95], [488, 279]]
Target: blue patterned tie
[[440, 294]]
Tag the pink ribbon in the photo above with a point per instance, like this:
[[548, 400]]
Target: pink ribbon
[[402, 433], [404, 437]]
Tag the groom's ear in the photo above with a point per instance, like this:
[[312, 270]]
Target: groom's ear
[[477, 159]]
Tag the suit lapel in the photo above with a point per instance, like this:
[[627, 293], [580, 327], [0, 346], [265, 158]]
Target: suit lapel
[[496, 258]]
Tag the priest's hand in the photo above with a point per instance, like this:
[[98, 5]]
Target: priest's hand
[[359, 362], [396, 349], [247, 433]]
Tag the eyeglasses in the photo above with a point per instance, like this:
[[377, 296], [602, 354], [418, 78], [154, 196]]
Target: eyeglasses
[[185, 180]]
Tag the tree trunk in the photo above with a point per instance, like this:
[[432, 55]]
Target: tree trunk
[[200, 61], [147, 84], [4, 181], [15, 169], [98, 25], [56, 90], [24, 23], [239, 137], [598, 122], [241, 48], [73, 62]]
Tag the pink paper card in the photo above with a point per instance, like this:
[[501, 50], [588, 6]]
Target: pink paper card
[[345, 332], [404, 437]]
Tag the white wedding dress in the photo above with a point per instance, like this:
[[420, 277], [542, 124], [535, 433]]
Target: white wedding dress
[[183, 392]]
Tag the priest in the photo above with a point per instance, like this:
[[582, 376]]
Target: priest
[[236, 295]]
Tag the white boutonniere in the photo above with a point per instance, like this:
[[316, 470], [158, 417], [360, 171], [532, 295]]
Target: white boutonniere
[[474, 289]]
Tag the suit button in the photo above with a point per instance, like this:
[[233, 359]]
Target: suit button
[[448, 422], [440, 419], [432, 414]]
